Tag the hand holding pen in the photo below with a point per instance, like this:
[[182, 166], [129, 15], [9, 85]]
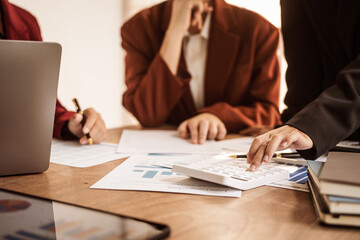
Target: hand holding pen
[[292, 155], [87, 125], [290, 158], [83, 120]]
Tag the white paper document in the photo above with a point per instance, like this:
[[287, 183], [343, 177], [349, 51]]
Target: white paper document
[[139, 173], [71, 153], [168, 160], [239, 145], [162, 141]]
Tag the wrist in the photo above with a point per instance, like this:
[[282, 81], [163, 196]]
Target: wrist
[[175, 32]]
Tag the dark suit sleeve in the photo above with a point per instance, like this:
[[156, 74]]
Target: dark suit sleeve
[[334, 115], [263, 94], [152, 90]]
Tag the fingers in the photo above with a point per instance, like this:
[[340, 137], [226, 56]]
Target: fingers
[[98, 132], [271, 147], [203, 131], [221, 132], [258, 158], [75, 126], [91, 117], [213, 132], [255, 146], [182, 129], [264, 146], [201, 127], [193, 129], [94, 125]]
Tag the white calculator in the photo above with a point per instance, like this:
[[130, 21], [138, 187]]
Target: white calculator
[[232, 172]]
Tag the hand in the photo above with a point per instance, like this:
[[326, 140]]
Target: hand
[[256, 130], [184, 13], [188, 13], [201, 127], [94, 125], [264, 146]]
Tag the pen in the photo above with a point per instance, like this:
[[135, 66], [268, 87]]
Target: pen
[[276, 155], [78, 110]]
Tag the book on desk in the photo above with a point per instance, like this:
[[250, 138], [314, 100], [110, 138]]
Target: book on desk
[[334, 187]]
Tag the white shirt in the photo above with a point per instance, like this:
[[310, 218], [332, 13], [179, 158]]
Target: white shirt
[[195, 52]]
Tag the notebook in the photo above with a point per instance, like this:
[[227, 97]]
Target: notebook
[[340, 175], [29, 73]]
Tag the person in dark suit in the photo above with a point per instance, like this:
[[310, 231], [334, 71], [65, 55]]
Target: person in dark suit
[[207, 66], [322, 47], [18, 24]]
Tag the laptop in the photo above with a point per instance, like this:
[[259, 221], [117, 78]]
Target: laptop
[[29, 73]]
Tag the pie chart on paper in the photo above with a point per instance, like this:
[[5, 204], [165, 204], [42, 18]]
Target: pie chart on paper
[[9, 205]]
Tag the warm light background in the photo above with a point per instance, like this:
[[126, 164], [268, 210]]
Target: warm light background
[[92, 63]]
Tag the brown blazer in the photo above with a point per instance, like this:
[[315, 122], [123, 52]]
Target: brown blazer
[[241, 76]]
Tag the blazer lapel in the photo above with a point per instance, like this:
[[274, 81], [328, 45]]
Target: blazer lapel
[[15, 28], [222, 52]]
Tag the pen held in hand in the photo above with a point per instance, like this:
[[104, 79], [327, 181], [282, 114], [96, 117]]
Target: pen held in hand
[[288, 158], [276, 155], [83, 121]]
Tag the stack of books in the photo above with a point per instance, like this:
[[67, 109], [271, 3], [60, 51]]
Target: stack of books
[[335, 188]]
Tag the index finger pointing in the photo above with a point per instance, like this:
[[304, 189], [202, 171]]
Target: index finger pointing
[[256, 144]]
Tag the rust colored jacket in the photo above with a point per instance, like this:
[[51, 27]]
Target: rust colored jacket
[[241, 75], [21, 25]]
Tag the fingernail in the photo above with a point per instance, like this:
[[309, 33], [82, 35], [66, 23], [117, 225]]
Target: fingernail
[[266, 158], [252, 168], [284, 144], [86, 130], [83, 141]]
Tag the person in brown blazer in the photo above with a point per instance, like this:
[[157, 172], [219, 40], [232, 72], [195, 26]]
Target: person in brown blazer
[[322, 47], [207, 66]]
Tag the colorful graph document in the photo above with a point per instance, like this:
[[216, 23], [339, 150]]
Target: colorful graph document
[[139, 173], [71, 153], [298, 178], [162, 141]]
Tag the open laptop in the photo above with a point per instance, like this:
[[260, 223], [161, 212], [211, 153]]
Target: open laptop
[[29, 73]]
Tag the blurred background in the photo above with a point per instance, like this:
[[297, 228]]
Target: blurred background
[[93, 61]]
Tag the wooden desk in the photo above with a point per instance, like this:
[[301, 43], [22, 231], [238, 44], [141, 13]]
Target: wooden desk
[[262, 213]]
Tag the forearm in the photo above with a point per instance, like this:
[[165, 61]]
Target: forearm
[[171, 48], [334, 115], [151, 97]]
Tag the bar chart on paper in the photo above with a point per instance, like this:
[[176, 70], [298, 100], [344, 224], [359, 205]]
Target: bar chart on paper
[[297, 180], [153, 171], [138, 173]]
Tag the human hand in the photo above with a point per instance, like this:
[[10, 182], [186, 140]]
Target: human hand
[[256, 130], [201, 127], [264, 146], [94, 125], [186, 13]]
